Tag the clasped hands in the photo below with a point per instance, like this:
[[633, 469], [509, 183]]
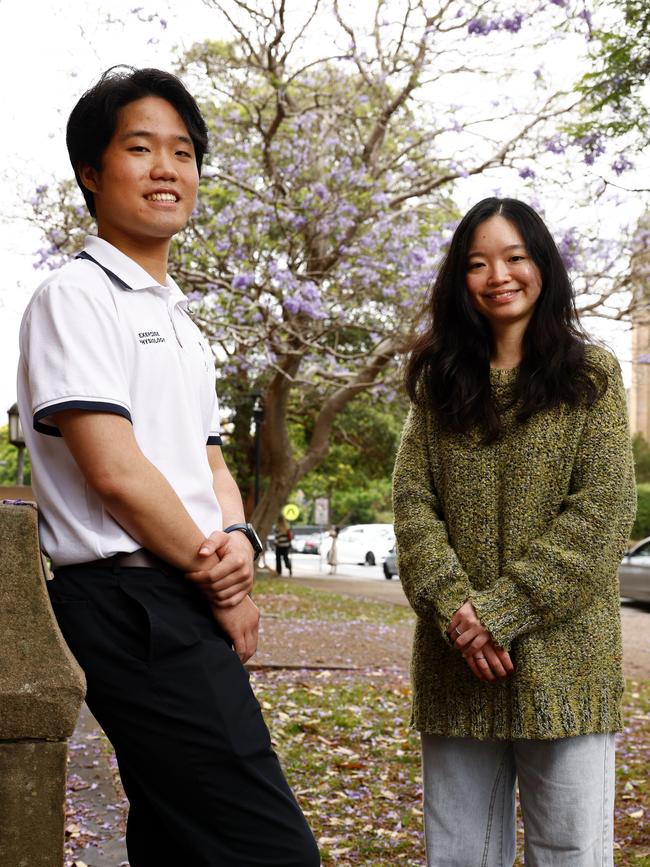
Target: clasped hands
[[226, 581], [486, 659]]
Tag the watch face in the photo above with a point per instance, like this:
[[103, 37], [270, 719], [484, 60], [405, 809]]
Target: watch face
[[254, 539]]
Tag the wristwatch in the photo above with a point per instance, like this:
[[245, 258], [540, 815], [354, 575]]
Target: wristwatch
[[249, 531]]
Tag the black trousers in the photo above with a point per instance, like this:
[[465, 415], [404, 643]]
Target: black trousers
[[282, 553], [204, 785]]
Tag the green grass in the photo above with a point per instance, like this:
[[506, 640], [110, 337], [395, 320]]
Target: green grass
[[288, 600], [632, 815], [346, 747], [354, 764]]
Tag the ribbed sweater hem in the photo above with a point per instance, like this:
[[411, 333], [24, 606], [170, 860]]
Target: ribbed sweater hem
[[531, 713]]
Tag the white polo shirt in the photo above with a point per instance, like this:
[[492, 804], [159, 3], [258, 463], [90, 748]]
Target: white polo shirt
[[103, 336]]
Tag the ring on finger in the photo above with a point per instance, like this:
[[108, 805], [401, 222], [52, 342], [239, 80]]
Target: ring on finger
[[458, 631]]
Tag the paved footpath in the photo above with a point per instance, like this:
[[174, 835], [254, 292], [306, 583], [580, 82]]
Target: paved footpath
[[93, 798]]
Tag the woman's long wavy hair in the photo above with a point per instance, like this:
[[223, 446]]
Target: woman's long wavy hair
[[449, 364]]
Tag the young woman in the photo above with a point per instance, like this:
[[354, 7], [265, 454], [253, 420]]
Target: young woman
[[514, 496]]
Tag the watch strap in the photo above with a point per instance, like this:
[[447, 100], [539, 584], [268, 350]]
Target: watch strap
[[251, 535]]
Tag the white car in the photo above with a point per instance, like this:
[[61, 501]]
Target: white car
[[364, 543]]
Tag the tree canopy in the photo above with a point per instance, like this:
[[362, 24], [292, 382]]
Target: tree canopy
[[328, 197], [615, 93]]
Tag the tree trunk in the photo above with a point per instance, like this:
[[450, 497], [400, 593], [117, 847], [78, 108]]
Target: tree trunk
[[284, 471]]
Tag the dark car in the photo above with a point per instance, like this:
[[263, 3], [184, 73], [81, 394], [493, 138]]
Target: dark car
[[390, 565], [299, 534], [634, 572], [312, 543]]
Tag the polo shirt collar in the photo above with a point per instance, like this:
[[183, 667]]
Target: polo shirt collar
[[129, 272]]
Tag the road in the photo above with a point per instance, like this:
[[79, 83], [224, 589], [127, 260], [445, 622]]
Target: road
[[308, 565]]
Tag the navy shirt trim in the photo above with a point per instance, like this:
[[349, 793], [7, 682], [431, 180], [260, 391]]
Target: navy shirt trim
[[90, 405]]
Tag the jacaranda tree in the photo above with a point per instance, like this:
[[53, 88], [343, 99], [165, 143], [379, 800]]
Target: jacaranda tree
[[328, 194]]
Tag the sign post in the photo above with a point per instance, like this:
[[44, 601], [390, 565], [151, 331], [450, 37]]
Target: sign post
[[322, 511]]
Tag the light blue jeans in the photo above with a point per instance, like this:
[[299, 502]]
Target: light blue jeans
[[566, 790]]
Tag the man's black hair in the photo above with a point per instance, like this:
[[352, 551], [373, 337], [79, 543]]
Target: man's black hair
[[93, 120]]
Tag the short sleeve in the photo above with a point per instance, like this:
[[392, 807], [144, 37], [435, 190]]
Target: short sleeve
[[73, 352], [214, 434]]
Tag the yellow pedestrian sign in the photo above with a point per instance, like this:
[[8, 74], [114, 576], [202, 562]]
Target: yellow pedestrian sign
[[291, 511]]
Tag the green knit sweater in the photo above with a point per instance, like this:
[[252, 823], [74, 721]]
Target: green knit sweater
[[531, 529]]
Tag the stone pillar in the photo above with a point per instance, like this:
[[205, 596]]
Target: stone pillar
[[41, 692]]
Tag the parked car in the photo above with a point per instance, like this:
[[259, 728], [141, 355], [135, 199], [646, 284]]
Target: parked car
[[362, 543], [390, 565], [299, 534], [312, 543], [634, 572]]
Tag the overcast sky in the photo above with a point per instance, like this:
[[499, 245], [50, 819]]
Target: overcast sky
[[51, 53]]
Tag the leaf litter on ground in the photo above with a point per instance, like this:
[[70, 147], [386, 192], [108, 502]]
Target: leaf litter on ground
[[349, 754]]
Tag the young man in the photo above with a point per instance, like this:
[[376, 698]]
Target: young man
[[150, 593]]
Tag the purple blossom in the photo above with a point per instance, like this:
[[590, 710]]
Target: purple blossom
[[592, 145], [243, 281], [478, 27], [513, 25], [526, 173], [291, 304], [482, 26], [622, 164], [554, 146], [585, 14], [568, 249], [310, 291]]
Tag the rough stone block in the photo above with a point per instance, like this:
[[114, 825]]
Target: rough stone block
[[32, 794], [41, 684]]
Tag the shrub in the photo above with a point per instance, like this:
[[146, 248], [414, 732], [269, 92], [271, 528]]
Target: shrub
[[642, 524]]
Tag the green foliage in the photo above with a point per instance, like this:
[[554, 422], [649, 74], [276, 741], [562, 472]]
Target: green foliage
[[356, 474], [642, 524], [641, 451], [9, 460], [613, 90], [289, 600]]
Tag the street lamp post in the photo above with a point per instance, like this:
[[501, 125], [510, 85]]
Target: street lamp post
[[258, 418], [17, 438]]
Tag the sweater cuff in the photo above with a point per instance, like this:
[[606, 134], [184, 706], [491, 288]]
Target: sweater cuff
[[505, 611], [441, 606]]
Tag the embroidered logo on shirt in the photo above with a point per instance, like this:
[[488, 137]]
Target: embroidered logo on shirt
[[150, 337]]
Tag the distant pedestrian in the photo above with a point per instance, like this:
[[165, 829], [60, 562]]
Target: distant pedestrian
[[283, 537], [514, 497], [332, 556]]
